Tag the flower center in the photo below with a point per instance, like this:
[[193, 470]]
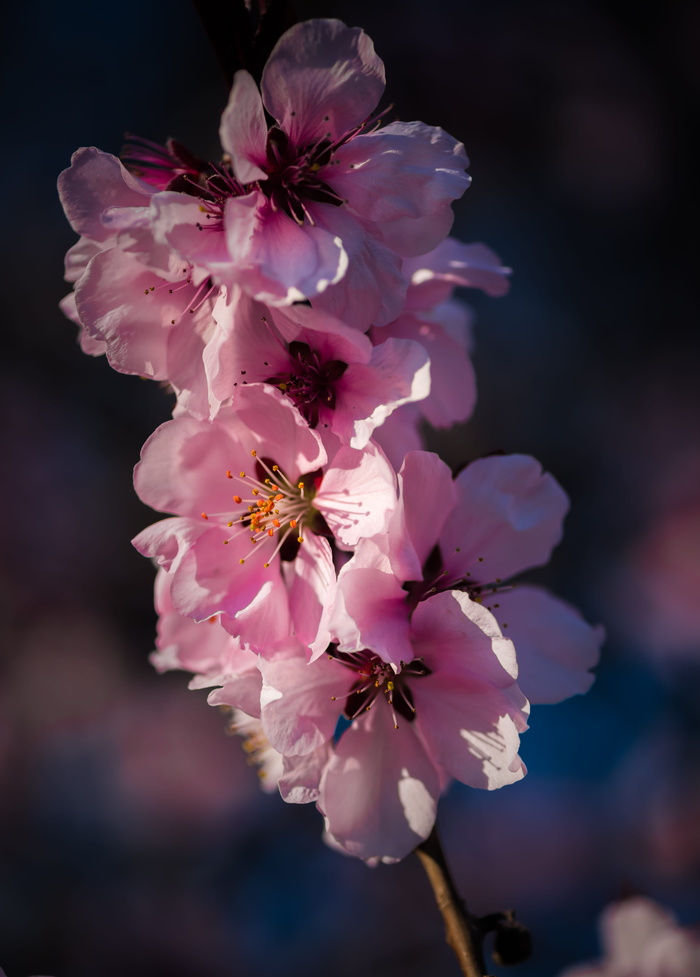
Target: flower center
[[437, 580], [310, 383], [292, 175], [376, 678], [272, 508]]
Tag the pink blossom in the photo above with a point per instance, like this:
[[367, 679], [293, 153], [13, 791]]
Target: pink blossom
[[500, 516], [255, 480], [641, 939], [452, 709], [332, 373], [309, 202]]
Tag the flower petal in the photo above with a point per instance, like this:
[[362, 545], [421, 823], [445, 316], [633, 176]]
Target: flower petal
[[322, 79]]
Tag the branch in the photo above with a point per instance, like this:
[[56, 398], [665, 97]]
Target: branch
[[243, 34], [462, 930]]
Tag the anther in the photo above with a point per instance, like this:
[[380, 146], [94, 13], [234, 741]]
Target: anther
[[253, 453], [229, 475], [241, 562], [237, 499], [204, 515]]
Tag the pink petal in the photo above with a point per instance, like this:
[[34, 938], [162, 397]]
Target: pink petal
[[275, 259], [425, 486], [452, 395], [373, 288], [400, 433], [458, 637], [403, 170], [321, 80], [434, 276], [143, 321], [311, 583], [243, 129], [299, 712], [178, 222], [416, 235], [93, 182], [357, 493], [301, 775], [508, 518], [399, 373], [555, 646], [371, 610], [379, 792]]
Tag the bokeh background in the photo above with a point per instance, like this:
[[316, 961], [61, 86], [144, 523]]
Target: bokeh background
[[133, 836]]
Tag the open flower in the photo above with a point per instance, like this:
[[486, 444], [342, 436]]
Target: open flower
[[451, 710], [251, 488], [339, 381], [498, 517], [322, 195]]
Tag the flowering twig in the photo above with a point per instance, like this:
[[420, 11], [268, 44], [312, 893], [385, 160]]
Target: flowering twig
[[462, 930]]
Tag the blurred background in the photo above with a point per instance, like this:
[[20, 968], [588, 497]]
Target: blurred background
[[133, 836]]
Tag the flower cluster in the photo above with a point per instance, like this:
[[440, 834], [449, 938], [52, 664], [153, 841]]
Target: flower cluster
[[346, 597]]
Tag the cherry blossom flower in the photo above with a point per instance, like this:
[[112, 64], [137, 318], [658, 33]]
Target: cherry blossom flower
[[641, 939], [335, 377], [150, 314], [323, 195], [453, 710], [284, 502], [500, 516], [327, 182]]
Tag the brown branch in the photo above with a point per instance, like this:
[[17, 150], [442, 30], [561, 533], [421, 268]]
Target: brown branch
[[462, 931]]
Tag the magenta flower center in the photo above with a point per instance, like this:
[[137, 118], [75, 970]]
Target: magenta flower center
[[376, 679], [310, 382], [293, 175]]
